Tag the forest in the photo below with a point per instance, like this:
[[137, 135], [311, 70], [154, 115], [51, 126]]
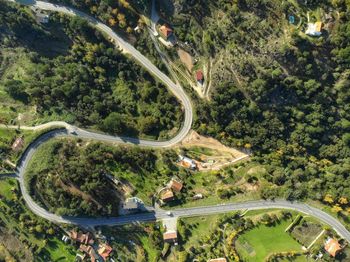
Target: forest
[[277, 91], [80, 78]]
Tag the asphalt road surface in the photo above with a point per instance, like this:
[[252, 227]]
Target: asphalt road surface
[[157, 214]]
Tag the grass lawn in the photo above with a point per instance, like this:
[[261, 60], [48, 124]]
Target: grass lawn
[[5, 188], [207, 183], [57, 251], [152, 253], [200, 226], [257, 244]]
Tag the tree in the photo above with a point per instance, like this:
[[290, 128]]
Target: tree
[[113, 124]]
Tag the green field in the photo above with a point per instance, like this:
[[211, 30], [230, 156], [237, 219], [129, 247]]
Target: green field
[[257, 244]]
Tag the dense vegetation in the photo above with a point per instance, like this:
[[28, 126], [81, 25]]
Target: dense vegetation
[[80, 77], [74, 177], [276, 90]]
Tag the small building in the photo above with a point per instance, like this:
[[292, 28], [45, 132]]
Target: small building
[[221, 259], [90, 251], [40, 17], [166, 32], [132, 204], [187, 162], [176, 185], [104, 251], [197, 196], [170, 237], [65, 239], [79, 237], [332, 246], [314, 29], [167, 195], [18, 144], [200, 77]]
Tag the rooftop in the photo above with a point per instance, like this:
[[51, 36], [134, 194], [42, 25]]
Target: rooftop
[[175, 185], [131, 203], [166, 31], [332, 246], [170, 235], [167, 195], [314, 29], [221, 259], [199, 75], [104, 251]]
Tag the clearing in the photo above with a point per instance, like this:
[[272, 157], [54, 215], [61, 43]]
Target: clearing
[[186, 58], [217, 157], [258, 243]]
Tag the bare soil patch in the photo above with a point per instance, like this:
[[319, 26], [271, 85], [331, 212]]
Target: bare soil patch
[[219, 156], [186, 58]]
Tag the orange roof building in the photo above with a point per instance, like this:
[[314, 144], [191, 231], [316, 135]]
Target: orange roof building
[[167, 195], [165, 31], [104, 251], [81, 237], [187, 162], [175, 185], [90, 251], [332, 246], [170, 237]]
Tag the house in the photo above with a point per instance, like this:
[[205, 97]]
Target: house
[[81, 237], [332, 246], [166, 32], [170, 237], [200, 77], [167, 195], [104, 251], [221, 259], [314, 29], [90, 251], [18, 144], [132, 204], [187, 162], [197, 196], [40, 17], [175, 185]]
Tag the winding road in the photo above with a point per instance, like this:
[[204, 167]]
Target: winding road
[[154, 214]]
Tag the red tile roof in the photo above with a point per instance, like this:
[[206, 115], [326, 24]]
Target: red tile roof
[[199, 75], [170, 236], [176, 185], [332, 247], [104, 251], [166, 31], [81, 238]]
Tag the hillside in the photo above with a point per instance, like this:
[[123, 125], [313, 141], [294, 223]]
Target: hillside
[[66, 70], [275, 89]]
